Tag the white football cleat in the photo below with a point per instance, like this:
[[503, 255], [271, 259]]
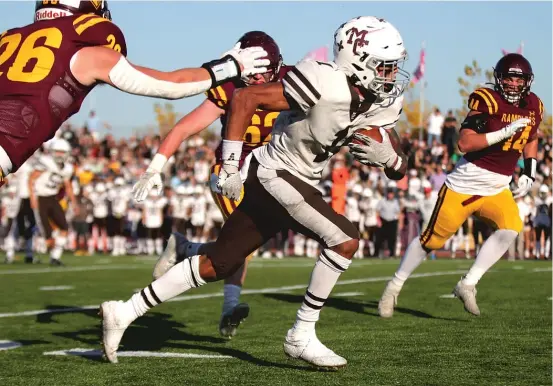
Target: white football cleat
[[306, 346], [116, 317], [174, 253], [388, 300], [467, 294]]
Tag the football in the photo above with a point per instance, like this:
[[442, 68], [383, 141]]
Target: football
[[374, 133], [371, 132]]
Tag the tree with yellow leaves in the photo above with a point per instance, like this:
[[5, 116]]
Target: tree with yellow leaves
[[165, 117]]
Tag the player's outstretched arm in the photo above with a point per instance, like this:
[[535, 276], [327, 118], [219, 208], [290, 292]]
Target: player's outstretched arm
[[473, 136], [192, 123], [101, 64]]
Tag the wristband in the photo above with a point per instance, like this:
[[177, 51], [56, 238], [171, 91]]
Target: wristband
[[232, 150], [157, 164], [530, 168], [221, 70]]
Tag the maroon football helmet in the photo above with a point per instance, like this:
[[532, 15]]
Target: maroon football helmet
[[261, 39], [46, 10], [513, 66]]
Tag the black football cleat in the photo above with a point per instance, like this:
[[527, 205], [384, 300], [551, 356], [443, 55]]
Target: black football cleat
[[230, 321]]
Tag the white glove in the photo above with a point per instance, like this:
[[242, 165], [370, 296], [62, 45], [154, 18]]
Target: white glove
[[250, 58], [507, 131], [148, 181], [523, 186], [373, 153], [230, 182]]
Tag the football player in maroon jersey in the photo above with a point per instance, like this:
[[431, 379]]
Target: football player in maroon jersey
[[216, 107], [48, 67], [501, 126]]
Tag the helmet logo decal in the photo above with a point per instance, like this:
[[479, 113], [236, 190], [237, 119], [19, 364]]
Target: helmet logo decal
[[96, 3], [359, 36]]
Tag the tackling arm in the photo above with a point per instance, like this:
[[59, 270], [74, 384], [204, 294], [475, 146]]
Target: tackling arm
[[92, 64], [192, 123]]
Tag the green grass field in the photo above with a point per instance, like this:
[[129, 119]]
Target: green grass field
[[430, 341]]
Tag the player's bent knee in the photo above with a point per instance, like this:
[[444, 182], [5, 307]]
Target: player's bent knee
[[432, 243], [346, 249], [515, 225], [225, 266]]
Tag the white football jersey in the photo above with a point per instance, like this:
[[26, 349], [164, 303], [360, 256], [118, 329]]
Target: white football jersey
[[11, 206], [353, 213], [327, 114], [53, 177], [180, 206], [22, 176], [199, 211], [119, 198], [153, 209], [100, 202]]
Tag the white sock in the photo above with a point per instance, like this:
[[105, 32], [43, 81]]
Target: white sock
[[492, 250], [325, 274], [232, 297], [414, 256], [159, 246], [151, 246], [58, 247], [180, 278]]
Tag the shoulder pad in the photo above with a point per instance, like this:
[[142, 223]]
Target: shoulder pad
[[98, 31], [484, 100], [537, 104], [303, 85], [476, 122], [221, 95]]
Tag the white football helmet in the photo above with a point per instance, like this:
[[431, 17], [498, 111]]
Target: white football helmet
[[100, 187], [60, 150], [370, 51]]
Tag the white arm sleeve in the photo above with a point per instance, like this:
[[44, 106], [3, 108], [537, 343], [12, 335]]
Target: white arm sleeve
[[127, 78]]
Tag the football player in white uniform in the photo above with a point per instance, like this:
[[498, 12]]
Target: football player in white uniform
[[119, 199], [26, 221], [322, 104], [99, 198], [52, 172], [10, 207], [152, 218]]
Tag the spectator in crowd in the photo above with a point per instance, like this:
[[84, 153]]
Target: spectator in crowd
[[434, 126], [449, 133], [388, 211]]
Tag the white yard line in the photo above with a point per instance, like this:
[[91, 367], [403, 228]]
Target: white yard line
[[71, 269], [86, 352], [8, 345], [447, 296], [542, 269], [56, 288], [346, 294], [244, 292]]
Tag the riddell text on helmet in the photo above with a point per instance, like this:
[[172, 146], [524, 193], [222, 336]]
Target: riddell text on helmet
[[51, 13]]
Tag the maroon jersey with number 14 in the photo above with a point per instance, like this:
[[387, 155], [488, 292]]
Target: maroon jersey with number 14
[[261, 125], [502, 157], [37, 90]]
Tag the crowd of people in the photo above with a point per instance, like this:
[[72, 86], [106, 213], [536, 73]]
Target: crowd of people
[[388, 214]]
